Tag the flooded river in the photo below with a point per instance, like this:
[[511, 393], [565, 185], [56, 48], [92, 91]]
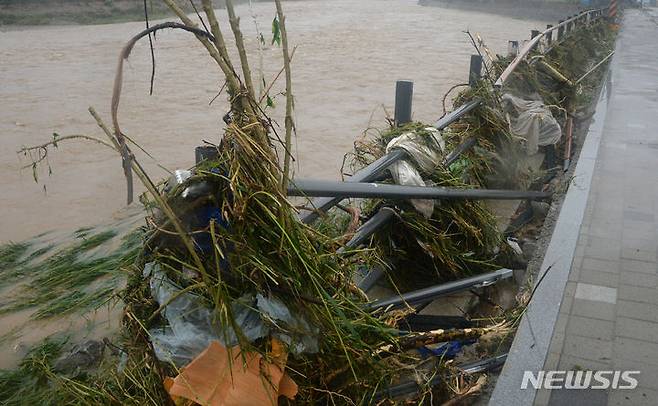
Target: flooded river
[[349, 55]]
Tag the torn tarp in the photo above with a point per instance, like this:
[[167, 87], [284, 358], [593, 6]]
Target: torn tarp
[[532, 121]]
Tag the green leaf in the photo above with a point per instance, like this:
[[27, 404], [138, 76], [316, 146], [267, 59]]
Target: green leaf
[[34, 172], [276, 32], [270, 101], [55, 135], [261, 38]]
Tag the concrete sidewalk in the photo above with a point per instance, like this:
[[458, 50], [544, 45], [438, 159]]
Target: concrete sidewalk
[[608, 318]]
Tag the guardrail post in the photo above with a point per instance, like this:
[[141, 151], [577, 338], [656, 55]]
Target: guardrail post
[[560, 30], [475, 70], [512, 48], [533, 34], [404, 90], [549, 37]]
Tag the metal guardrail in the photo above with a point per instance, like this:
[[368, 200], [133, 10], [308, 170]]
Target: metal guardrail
[[564, 27], [377, 168], [358, 186]]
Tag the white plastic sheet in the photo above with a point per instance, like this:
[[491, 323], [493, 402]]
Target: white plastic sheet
[[426, 152], [532, 121]]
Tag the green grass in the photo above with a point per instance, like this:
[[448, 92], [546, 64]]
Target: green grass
[[75, 300], [29, 384], [60, 284], [36, 382], [11, 254]]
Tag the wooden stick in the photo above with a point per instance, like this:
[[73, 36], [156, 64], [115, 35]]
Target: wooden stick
[[239, 43], [220, 44], [289, 99]]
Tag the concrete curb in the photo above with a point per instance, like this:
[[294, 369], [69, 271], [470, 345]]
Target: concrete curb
[[531, 343]]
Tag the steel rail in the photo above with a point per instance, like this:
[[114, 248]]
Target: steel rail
[[316, 188], [428, 294]]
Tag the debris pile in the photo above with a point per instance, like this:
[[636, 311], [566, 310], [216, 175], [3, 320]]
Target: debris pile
[[232, 299]]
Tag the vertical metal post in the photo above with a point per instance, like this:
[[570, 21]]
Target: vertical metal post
[[404, 90], [533, 34], [512, 48], [475, 70], [560, 30], [549, 37]]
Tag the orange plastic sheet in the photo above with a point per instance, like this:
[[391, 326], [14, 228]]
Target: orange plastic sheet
[[219, 376]]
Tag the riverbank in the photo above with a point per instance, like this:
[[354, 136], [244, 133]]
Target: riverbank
[[84, 12], [540, 9]]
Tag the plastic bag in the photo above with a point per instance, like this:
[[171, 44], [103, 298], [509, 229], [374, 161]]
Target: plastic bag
[[191, 326], [425, 151], [298, 334], [532, 121]]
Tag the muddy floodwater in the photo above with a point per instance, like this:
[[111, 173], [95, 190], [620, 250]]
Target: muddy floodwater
[[349, 54]]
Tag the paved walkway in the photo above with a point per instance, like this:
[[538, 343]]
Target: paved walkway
[[608, 319]]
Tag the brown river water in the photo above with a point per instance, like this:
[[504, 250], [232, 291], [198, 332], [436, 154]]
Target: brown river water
[[349, 55]]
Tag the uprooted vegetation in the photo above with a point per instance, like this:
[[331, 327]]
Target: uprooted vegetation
[[225, 278]]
